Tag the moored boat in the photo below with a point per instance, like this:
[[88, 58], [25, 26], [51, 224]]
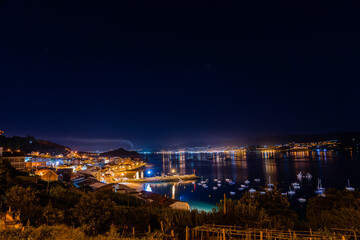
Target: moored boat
[[348, 187], [302, 200], [251, 190]]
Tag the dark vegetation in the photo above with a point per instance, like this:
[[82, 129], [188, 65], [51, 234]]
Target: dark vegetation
[[30, 143], [120, 153], [61, 206]]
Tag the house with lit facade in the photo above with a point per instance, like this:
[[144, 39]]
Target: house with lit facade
[[16, 158]]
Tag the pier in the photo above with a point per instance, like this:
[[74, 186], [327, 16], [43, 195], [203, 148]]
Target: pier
[[157, 179]]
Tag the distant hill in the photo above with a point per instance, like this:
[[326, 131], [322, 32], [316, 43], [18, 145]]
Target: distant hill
[[346, 138], [29, 144], [120, 153]]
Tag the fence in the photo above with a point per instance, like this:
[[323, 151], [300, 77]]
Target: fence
[[221, 232]]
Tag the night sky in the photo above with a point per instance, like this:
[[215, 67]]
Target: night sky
[[100, 74]]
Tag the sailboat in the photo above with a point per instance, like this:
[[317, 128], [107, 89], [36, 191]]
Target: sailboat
[[320, 190], [299, 175], [348, 187], [270, 184]]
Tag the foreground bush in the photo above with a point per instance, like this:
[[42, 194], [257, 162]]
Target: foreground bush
[[44, 232], [270, 210], [339, 209], [63, 232]]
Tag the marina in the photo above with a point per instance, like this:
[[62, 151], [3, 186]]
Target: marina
[[295, 174]]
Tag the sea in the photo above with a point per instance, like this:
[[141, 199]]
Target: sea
[[334, 169]]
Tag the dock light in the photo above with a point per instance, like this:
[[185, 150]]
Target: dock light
[[173, 170], [149, 172]]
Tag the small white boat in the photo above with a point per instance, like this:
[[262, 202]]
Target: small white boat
[[228, 180], [215, 179], [219, 181], [243, 186], [205, 186], [291, 192], [241, 189], [247, 182], [199, 184], [320, 190], [257, 179], [284, 193], [296, 186], [262, 193], [269, 189], [232, 193], [270, 184], [202, 182], [348, 187], [219, 185], [251, 190], [301, 200], [214, 188], [299, 175]]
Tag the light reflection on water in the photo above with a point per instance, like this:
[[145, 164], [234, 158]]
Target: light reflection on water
[[334, 168]]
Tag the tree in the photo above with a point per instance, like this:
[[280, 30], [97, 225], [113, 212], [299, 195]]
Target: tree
[[269, 210], [64, 198], [94, 214], [7, 172], [338, 209], [25, 201], [276, 206], [52, 215]]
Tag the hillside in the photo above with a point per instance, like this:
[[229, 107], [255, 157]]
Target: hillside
[[29, 144], [120, 153], [347, 138]]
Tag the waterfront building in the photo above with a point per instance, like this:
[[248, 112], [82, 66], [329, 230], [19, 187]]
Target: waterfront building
[[16, 158], [157, 199]]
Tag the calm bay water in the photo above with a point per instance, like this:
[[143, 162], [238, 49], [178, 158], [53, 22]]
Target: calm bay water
[[334, 169]]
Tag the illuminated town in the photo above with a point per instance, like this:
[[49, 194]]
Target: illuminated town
[[179, 120]]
